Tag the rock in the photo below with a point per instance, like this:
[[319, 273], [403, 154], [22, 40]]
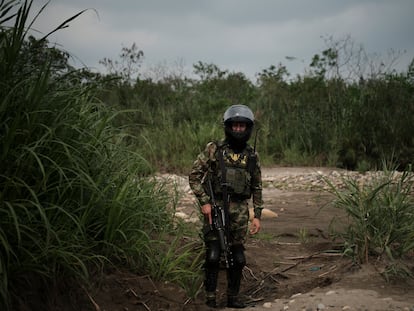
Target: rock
[[186, 218], [266, 214], [320, 306], [181, 215], [267, 305]]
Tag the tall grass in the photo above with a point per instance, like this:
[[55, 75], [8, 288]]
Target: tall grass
[[181, 262], [73, 194], [174, 145], [381, 218]]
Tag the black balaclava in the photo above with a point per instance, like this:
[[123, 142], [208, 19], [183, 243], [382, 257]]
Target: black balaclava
[[238, 113]]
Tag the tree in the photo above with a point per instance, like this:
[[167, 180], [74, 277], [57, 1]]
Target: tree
[[127, 68]]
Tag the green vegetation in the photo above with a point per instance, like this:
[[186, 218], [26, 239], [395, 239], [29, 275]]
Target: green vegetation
[[78, 151], [303, 235], [75, 197], [337, 114], [381, 219]]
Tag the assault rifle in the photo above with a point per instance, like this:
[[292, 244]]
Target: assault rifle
[[220, 224]]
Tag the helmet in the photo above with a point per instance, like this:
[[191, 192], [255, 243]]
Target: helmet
[[238, 113]]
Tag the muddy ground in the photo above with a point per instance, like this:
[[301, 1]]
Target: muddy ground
[[294, 264]]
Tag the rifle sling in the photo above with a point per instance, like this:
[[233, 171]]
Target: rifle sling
[[224, 190]]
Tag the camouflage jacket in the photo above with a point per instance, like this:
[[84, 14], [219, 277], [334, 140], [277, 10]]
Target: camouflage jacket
[[207, 166]]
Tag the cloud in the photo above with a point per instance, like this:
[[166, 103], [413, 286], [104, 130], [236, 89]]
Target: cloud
[[239, 35]]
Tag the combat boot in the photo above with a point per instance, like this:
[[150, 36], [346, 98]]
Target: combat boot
[[234, 302], [233, 278], [211, 300]]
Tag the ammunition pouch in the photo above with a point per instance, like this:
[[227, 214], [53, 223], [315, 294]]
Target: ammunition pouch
[[238, 181], [236, 171]]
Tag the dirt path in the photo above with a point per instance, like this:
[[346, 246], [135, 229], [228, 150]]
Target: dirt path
[[292, 265], [318, 277]]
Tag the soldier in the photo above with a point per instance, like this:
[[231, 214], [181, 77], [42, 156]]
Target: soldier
[[232, 170]]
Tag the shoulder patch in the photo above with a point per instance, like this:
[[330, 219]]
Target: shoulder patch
[[211, 149]]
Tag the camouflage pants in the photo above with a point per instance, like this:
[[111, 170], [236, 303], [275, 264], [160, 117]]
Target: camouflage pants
[[239, 221]]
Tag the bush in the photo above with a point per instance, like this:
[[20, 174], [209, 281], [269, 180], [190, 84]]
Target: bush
[[380, 216]]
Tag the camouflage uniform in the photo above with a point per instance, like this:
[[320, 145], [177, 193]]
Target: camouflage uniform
[[207, 166]]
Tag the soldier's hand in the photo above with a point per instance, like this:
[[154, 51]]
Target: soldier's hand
[[255, 226], [206, 210]]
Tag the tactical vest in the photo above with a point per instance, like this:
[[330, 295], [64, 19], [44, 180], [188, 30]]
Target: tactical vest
[[238, 170]]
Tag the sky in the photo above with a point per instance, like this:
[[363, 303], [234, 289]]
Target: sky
[[246, 36]]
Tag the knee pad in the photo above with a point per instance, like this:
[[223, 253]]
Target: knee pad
[[238, 255], [213, 253]]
